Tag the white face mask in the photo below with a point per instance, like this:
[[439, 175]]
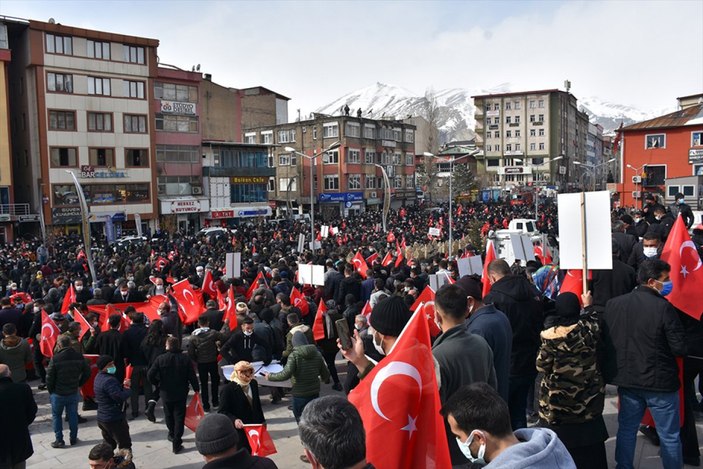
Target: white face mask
[[159, 289], [378, 346], [649, 251], [79, 287], [248, 333], [358, 327], [465, 448], [36, 309]]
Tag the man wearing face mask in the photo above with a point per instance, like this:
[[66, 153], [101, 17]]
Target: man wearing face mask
[[157, 288], [664, 222], [111, 397], [480, 421], [649, 248], [643, 335], [639, 225], [680, 207], [83, 294], [241, 345]]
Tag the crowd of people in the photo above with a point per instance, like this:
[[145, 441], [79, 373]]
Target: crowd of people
[[543, 357]]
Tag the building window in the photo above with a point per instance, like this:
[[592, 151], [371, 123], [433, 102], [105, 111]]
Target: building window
[[286, 136], [496, 120], [409, 136], [97, 194], [98, 50], [532, 104], [133, 54], [332, 182], [267, 137], [63, 157], [507, 105], [177, 154], [99, 122], [177, 185], [497, 147], [698, 169], [541, 117], [370, 182], [509, 147], [250, 137], [517, 147], [517, 134], [496, 134], [655, 175], [492, 162], [541, 103], [369, 157], [396, 158], [655, 141], [409, 159], [248, 193], [59, 44], [398, 182], [537, 161], [134, 124], [284, 160], [696, 139], [354, 156], [169, 123], [174, 92], [352, 129], [508, 119], [532, 146], [517, 105], [331, 157], [136, 157], [489, 148], [64, 194], [330, 130], [541, 145], [517, 119], [354, 182], [533, 133], [59, 82], [272, 184], [532, 117], [270, 161], [410, 181], [62, 120], [541, 132], [496, 106], [134, 89], [101, 157], [99, 86], [287, 184], [508, 133]]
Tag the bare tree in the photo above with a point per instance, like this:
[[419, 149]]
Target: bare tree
[[427, 172]]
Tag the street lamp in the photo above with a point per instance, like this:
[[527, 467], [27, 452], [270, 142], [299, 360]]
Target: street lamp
[[451, 171], [638, 172], [386, 196], [593, 169], [312, 200], [536, 193]]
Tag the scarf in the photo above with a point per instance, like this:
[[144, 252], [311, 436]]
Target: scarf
[[245, 386]]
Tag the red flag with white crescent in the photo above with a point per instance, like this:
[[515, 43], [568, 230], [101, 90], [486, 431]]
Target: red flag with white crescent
[[259, 440], [85, 325], [686, 270], [298, 300], [426, 296], [387, 259], [399, 404], [190, 301], [318, 327], [209, 284], [255, 284], [68, 299], [49, 335], [360, 264], [366, 310]]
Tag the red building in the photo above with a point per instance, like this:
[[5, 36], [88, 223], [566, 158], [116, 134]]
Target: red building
[[668, 146]]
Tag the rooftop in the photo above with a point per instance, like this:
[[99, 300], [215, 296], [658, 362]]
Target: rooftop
[[518, 93], [690, 116]]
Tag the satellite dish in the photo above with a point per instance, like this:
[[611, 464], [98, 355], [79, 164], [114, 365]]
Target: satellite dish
[[52, 21], [197, 69]]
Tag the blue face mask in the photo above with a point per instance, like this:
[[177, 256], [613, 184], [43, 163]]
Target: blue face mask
[[111, 370], [666, 288], [680, 201]]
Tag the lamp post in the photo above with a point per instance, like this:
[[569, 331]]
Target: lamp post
[[593, 169], [451, 173], [312, 200], [638, 172], [386, 196], [536, 194]]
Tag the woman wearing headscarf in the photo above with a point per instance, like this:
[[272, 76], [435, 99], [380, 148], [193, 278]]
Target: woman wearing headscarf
[[572, 391], [239, 400]]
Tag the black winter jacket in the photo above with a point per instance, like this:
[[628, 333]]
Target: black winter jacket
[[202, 347], [643, 336], [110, 396], [131, 345], [67, 372], [173, 371], [18, 410]]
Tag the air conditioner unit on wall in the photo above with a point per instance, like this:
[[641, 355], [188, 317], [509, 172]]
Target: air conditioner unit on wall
[[197, 190], [636, 179], [636, 194]]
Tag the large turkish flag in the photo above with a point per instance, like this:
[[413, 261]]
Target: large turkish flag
[[686, 270]]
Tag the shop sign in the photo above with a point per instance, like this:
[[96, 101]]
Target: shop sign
[[28, 218], [245, 212], [88, 172], [222, 214], [185, 206], [175, 107], [249, 180], [342, 197], [66, 215], [514, 170], [695, 155]]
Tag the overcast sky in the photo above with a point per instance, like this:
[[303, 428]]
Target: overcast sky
[[639, 53]]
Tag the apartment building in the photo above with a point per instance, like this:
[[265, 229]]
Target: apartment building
[[347, 179], [262, 107], [520, 136], [81, 104]]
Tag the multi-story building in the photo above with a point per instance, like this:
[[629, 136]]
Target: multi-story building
[[262, 107], [179, 169], [348, 179], [520, 135], [81, 104], [668, 146]]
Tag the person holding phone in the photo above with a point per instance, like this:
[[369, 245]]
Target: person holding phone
[[328, 345]]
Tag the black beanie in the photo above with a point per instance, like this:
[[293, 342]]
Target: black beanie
[[390, 315], [567, 311], [103, 360], [215, 434]]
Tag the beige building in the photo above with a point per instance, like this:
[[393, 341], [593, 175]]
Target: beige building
[[262, 107]]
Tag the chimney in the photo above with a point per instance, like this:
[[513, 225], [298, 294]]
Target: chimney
[[208, 77]]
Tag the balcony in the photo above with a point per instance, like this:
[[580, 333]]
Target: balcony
[[538, 123], [17, 212]]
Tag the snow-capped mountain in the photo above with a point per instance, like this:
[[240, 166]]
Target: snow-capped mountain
[[455, 109]]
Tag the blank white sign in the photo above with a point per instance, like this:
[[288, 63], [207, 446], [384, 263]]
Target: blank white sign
[[311, 274], [470, 266], [599, 249], [233, 264]]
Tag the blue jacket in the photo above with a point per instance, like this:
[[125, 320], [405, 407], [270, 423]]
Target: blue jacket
[[539, 448], [110, 396], [494, 326]]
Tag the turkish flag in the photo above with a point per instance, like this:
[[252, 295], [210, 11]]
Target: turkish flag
[[360, 264], [259, 440], [686, 272], [544, 257], [318, 327], [391, 237], [194, 412], [399, 260], [372, 258], [68, 298], [573, 282], [85, 325], [426, 296], [428, 310], [366, 310], [399, 404], [149, 308], [255, 284], [49, 335], [230, 309], [387, 259], [190, 302], [81, 255], [209, 285], [490, 257], [161, 263], [111, 310], [298, 300]]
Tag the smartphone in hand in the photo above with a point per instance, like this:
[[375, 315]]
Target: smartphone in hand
[[343, 332]]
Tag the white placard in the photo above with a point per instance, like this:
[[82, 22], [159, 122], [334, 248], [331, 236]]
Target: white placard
[[233, 265], [324, 231], [259, 369], [523, 248], [470, 266], [301, 242], [437, 281], [315, 245], [599, 249], [434, 232], [528, 247], [138, 223], [311, 274]]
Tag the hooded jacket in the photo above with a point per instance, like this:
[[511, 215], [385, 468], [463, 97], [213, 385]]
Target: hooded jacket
[[67, 372], [515, 296], [539, 448], [304, 368], [202, 347], [110, 396], [15, 353]]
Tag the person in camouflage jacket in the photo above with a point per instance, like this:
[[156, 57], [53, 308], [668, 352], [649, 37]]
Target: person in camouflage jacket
[[572, 391]]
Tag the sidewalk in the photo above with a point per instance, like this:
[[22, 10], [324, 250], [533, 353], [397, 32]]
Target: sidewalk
[[152, 450]]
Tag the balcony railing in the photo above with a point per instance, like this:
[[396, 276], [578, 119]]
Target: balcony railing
[[14, 209]]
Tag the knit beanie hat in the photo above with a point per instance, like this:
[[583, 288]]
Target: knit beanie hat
[[103, 360], [390, 315], [471, 286], [299, 339], [566, 312], [215, 434]]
